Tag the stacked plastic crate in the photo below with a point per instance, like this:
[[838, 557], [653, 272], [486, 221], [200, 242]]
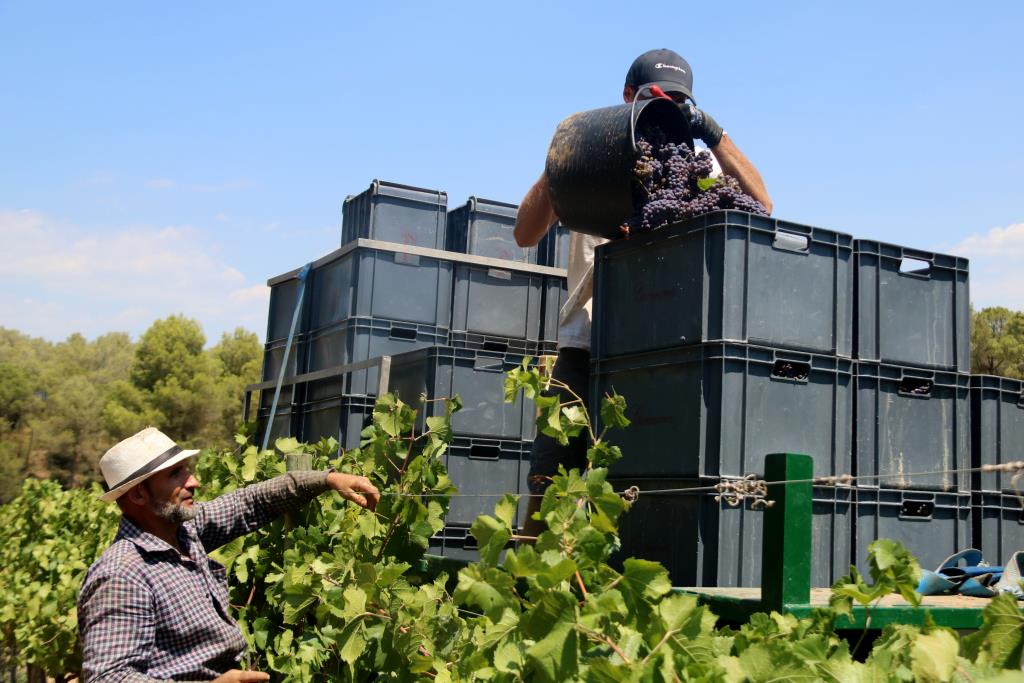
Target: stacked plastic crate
[[913, 423], [452, 300], [500, 313], [730, 337], [997, 422]]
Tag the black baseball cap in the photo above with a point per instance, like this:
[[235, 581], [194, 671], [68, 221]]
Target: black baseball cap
[[663, 68]]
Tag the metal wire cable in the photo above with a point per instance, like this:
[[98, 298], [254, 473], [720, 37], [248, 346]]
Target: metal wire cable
[[748, 486]]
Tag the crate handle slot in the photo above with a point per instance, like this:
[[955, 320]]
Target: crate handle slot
[[917, 509], [916, 386], [791, 369], [499, 346], [915, 266], [403, 333], [470, 543], [488, 364], [790, 241], [482, 452]]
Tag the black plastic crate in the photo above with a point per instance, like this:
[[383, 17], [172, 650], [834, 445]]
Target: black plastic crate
[[998, 525], [273, 356], [483, 227], [477, 377], [997, 428], [455, 542], [931, 525], [553, 248], [497, 301], [912, 307], [555, 294], [483, 470], [289, 396], [391, 283], [716, 410], [285, 424], [390, 212], [704, 542], [342, 418], [284, 291], [910, 421], [728, 276], [358, 339]]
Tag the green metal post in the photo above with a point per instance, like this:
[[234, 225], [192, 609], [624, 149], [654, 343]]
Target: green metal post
[[786, 543]]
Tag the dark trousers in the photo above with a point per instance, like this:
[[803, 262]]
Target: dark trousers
[[573, 368]]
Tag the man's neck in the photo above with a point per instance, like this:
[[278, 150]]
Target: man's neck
[[162, 529]]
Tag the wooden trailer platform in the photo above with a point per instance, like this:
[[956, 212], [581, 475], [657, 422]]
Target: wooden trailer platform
[[786, 567]]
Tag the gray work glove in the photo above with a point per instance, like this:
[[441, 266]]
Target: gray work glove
[[702, 126]]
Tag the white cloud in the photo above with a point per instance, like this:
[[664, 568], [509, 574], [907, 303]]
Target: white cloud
[[56, 279], [997, 278]]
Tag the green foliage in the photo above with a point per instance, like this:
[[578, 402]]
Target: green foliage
[[997, 342], [893, 569], [338, 593], [48, 539], [62, 405]]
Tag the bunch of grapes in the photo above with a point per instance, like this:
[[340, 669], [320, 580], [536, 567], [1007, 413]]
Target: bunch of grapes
[[673, 185]]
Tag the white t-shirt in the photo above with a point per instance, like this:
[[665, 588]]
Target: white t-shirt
[[575, 317]]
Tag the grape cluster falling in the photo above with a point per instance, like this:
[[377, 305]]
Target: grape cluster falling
[[673, 185]]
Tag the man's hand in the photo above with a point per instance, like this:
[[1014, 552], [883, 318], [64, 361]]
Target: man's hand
[[357, 489], [702, 126], [238, 676]]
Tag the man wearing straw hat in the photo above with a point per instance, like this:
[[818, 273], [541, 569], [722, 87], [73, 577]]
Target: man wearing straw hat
[[154, 606], [672, 74]]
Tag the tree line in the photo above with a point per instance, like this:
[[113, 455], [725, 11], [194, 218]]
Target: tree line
[[62, 405]]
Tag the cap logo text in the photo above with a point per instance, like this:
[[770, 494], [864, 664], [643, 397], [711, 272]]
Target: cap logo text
[[662, 65]]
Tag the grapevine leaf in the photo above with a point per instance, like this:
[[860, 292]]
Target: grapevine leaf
[[934, 656], [1000, 640], [355, 601], [505, 510], [489, 589], [287, 445], [603, 454], [613, 411], [352, 642], [441, 426], [250, 462], [774, 661], [508, 659], [645, 579], [554, 656], [705, 184]]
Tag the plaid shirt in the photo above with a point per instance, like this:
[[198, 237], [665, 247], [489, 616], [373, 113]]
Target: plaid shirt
[[146, 612]]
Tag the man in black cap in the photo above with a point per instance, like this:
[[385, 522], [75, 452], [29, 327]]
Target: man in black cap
[[672, 74]]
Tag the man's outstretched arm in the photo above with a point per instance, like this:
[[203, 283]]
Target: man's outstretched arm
[[535, 214], [736, 164], [728, 155]]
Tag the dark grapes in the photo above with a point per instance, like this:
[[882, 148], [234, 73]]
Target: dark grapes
[[668, 187]]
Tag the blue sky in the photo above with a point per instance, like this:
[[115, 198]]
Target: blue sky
[[170, 157]]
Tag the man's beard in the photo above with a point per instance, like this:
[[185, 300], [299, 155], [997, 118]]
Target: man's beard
[[175, 513]]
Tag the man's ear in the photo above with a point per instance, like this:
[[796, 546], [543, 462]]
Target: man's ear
[[628, 93], [137, 495]]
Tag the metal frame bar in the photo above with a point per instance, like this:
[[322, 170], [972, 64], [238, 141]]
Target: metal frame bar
[[382, 363]]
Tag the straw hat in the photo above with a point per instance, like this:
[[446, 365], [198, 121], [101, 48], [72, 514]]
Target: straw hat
[[136, 458]]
